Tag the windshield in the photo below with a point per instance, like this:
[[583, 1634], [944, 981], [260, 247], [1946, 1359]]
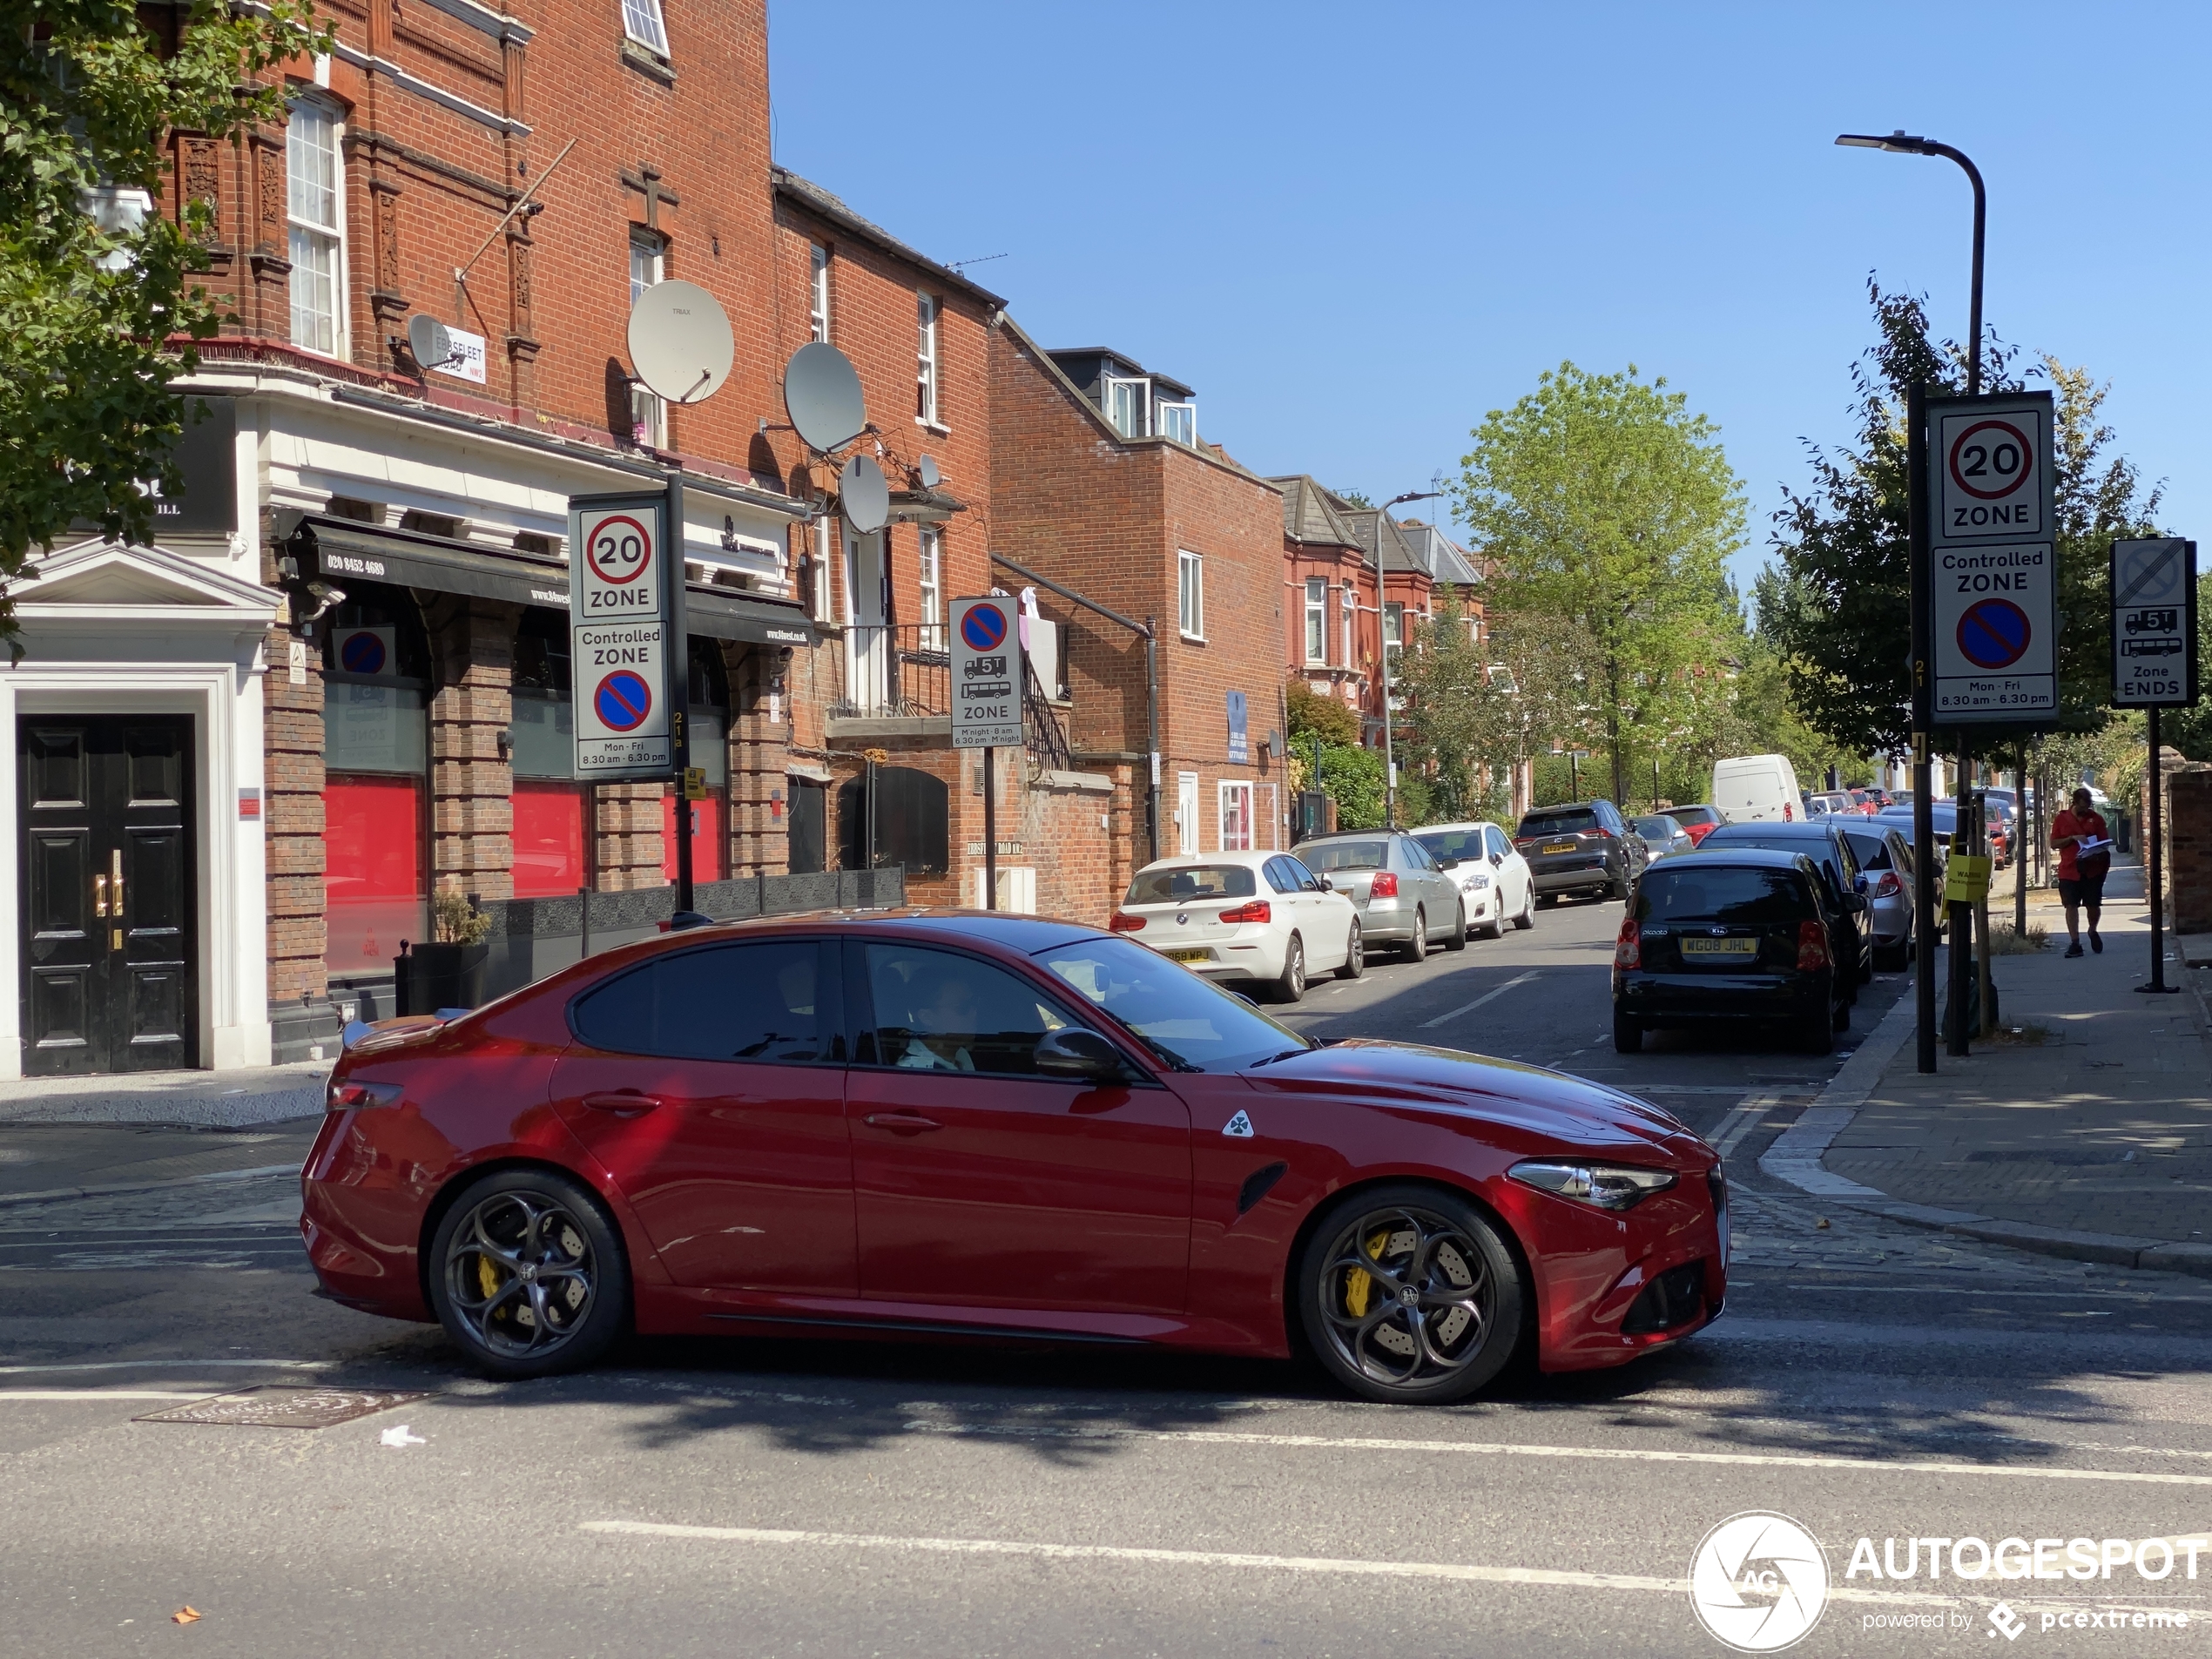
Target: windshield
[[1566, 823], [1686, 891], [1344, 855], [1449, 846], [1193, 881], [1187, 1022]]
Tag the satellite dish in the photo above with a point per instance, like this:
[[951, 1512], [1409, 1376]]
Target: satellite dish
[[822, 394], [926, 471], [680, 344], [864, 495], [430, 340]]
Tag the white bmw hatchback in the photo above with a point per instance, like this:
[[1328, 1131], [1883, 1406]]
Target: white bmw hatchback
[[1258, 916]]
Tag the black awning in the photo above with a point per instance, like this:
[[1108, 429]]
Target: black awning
[[337, 549], [341, 549]]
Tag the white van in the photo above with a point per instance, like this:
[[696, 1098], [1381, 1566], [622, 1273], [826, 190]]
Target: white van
[[1757, 789]]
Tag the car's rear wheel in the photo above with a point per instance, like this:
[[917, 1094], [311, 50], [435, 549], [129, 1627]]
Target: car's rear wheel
[[1355, 953], [1816, 1034], [1290, 986], [1627, 1034], [1416, 947], [1457, 939], [1841, 1021], [1527, 918], [528, 1275], [1409, 1296]]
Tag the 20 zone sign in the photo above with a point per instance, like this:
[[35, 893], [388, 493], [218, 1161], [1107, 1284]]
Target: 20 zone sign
[[1992, 483], [618, 568]]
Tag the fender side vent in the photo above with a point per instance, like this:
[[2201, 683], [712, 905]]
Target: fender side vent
[[1258, 1184]]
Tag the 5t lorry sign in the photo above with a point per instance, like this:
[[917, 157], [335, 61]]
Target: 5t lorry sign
[[2153, 623]]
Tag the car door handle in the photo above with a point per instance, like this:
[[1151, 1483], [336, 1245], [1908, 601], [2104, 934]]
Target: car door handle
[[901, 1123], [624, 1103]]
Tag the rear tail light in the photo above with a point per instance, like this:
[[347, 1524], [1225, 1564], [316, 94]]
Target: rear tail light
[[1627, 950], [352, 1096], [1788, 813], [1257, 910], [1812, 947], [1890, 886], [1385, 886], [1125, 923], [1601, 831], [1524, 840]]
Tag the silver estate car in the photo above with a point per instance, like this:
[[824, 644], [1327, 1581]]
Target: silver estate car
[[1402, 895]]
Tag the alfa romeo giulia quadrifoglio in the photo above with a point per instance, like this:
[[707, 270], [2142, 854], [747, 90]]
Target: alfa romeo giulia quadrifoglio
[[960, 1126]]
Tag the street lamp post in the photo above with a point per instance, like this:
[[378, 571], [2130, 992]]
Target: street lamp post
[[1382, 635], [1903, 142]]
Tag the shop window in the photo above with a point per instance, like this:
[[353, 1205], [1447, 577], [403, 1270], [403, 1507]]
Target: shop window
[[809, 837], [542, 728], [911, 818], [552, 848], [376, 686], [708, 716]]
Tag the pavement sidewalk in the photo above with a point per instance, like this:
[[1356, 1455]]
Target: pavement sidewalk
[[2085, 1130]]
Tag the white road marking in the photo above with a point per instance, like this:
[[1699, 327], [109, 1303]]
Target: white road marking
[[100, 1393], [1597, 1453], [166, 1364], [1335, 1566], [1441, 1018], [1742, 1119]]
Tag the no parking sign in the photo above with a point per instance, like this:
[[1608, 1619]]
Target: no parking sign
[[986, 674]]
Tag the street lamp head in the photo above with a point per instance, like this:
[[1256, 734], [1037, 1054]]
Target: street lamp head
[[1414, 494], [1897, 143]]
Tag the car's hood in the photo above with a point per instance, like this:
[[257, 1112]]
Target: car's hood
[[1505, 1092]]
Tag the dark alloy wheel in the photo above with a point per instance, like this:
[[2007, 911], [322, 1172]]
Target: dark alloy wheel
[[1409, 1295], [528, 1276], [1416, 947], [1355, 953], [1290, 987], [1457, 939], [1627, 1034]]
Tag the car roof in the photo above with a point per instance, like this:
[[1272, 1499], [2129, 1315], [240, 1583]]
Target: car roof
[[1027, 934], [1200, 860], [1437, 829], [1749, 858], [1351, 835], [1802, 831]]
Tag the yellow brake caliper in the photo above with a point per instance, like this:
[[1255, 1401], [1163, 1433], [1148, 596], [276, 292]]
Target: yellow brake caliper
[[1357, 1280], [486, 1277]]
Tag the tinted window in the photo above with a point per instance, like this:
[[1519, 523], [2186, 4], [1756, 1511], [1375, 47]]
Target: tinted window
[[1655, 829], [1416, 855], [1873, 851], [750, 1002], [1344, 855], [1185, 1020], [1445, 846], [1495, 838], [1306, 879], [937, 1010], [1193, 881], [1279, 876], [1568, 822], [1695, 815], [1820, 849], [1684, 890]]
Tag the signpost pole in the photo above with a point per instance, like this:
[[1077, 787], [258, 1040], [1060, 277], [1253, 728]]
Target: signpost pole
[[1924, 901], [678, 650], [1963, 844], [2019, 843], [2155, 865], [990, 829]]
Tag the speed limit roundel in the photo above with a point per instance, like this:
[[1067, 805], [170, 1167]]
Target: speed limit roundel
[[1992, 460], [618, 548]]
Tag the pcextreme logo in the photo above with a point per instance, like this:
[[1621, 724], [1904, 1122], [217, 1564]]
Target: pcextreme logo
[[1759, 1582]]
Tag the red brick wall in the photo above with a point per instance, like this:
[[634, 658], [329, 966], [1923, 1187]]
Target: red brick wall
[[2188, 813]]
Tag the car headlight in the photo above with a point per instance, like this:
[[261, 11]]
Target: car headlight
[[1476, 883], [1610, 1186]]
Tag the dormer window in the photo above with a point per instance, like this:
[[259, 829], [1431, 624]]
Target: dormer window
[[1177, 421], [1129, 407]]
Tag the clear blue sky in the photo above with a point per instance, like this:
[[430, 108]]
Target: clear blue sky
[[1355, 229]]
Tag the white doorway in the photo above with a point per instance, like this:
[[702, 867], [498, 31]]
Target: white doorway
[[1186, 812], [867, 646]]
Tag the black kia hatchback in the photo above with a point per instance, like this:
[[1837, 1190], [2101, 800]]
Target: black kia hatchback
[[1737, 934]]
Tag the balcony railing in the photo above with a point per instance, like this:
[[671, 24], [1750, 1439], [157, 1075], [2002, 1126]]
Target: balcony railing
[[906, 673]]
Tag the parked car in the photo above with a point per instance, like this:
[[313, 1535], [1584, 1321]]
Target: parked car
[[954, 1124], [1495, 883], [1700, 821], [1584, 847], [1403, 896], [1943, 818], [1885, 871], [1827, 803], [1725, 935], [1752, 789], [1661, 835], [1863, 802], [1261, 917], [1826, 845]]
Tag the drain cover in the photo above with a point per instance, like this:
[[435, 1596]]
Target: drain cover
[[286, 1406]]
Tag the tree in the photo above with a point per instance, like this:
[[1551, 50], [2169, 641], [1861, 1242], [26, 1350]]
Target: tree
[[1605, 505], [1311, 715], [1351, 498], [1838, 610], [93, 288]]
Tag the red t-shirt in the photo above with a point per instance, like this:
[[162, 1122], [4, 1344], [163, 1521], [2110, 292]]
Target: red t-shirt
[[2071, 823]]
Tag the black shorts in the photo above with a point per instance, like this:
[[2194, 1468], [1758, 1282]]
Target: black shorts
[[2087, 888]]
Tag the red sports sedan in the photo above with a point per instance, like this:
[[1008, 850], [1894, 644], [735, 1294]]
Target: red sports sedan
[[949, 1124]]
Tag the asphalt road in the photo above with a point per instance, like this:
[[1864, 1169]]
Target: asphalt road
[[748, 1498]]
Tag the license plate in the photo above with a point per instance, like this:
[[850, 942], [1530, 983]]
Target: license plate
[[1559, 846], [1188, 956], [1720, 947]]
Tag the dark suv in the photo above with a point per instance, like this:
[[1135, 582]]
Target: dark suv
[[1584, 847]]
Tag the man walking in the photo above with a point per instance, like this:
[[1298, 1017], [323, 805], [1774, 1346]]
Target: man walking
[[2085, 853]]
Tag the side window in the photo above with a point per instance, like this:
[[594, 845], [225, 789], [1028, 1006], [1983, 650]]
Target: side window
[[1279, 876], [1414, 853], [937, 1010], [736, 1002], [1494, 840], [1307, 881]]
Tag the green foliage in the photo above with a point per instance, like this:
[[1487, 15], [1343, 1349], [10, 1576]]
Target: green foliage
[[87, 316], [1354, 778], [1608, 510], [1351, 498], [1312, 715], [2190, 730]]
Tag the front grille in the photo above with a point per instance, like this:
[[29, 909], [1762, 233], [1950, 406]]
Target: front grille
[[1675, 1297]]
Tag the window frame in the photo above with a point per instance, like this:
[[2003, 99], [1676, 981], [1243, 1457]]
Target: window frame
[[817, 291], [1190, 595], [861, 1024], [648, 11], [324, 109], [930, 576], [1139, 389], [648, 414], [1167, 413], [1225, 790], [929, 316], [1317, 619]]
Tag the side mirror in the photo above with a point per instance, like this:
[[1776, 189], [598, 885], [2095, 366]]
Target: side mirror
[[1497, 857], [1328, 885], [1855, 904], [1453, 864], [1077, 1053]]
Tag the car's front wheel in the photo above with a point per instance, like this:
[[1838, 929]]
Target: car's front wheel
[[1355, 953], [1416, 947], [1290, 986], [528, 1275], [1409, 1296]]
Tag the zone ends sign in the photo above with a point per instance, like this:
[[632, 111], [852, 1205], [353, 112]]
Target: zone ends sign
[[1992, 561], [986, 674], [618, 631], [2153, 623]]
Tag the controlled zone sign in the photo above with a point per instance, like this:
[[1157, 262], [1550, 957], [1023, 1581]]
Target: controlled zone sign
[[1992, 586], [618, 636], [2153, 623], [986, 674]]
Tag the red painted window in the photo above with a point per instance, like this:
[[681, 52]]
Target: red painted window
[[374, 869], [550, 859], [708, 818]]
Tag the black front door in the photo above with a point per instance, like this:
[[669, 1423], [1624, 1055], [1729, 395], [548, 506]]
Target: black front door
[[110, 944]]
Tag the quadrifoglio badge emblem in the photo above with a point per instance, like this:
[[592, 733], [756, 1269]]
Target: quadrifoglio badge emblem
[[1759, 1582]]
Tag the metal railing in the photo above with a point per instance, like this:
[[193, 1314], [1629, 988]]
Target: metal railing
[[882, 672]]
